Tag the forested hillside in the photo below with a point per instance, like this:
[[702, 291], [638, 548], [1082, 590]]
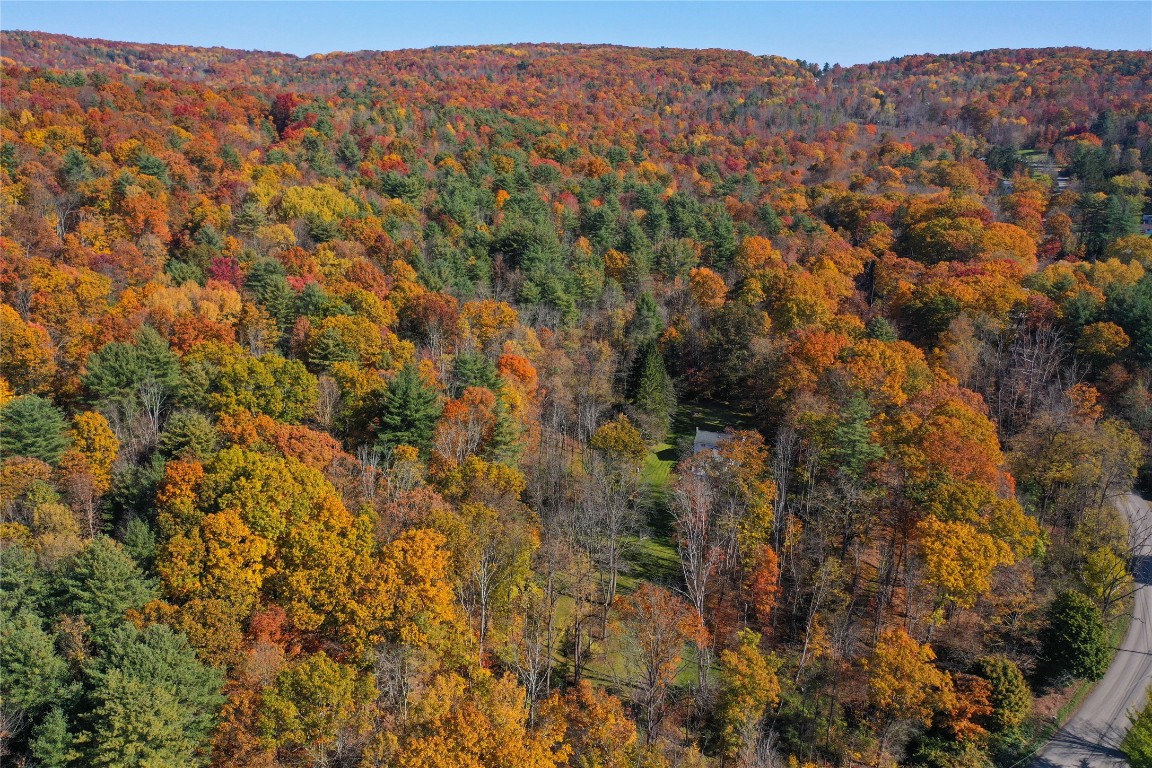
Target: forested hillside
[[347, 403]]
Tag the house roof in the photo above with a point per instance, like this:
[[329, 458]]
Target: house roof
[[706, 439]]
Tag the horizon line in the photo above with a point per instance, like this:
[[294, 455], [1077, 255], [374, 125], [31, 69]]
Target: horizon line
[[507, 44]]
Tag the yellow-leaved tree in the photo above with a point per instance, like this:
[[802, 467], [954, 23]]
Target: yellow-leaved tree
[[904, 684], [748, 686]]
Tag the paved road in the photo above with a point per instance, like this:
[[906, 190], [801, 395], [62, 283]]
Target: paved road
[[1091, 739]]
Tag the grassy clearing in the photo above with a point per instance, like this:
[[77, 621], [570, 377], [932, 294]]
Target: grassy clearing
[[656, 474], [615, 664], [1039, 162], [713, 415], [653, 556], [653, 560]]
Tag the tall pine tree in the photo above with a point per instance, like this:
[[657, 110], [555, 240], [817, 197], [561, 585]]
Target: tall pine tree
[[652, 392], [504, 445], [408, 412], [151, 701], [31, 426], [852, 446]]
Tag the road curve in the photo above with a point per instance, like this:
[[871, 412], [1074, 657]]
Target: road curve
[[1091, 738]]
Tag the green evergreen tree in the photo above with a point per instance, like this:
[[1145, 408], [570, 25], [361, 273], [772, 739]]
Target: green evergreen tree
[[471, 369], [1130, 307], [113, 372], [1105, 217], [314, 302], [327, 350], [409, 411], [268, 283], [1123, 215], [1137, 744], [504, 446], [75, 169], [32, 674], [182, 272], [251, 215], [209, 236], [769, 219], [231, 158], [1075, 642], [23, 585], [133, 491], [653, 393], [655, 221], [687, 217], [140, 541], [721, 244], [675, 258], [647, 324], [1011, 698], [880, 329], [348, 151], [163, 658], [134, 376], [101, 584], [51, 745], [31, 426], [852, 446], [150, 165], [188, 434], [136, 722]]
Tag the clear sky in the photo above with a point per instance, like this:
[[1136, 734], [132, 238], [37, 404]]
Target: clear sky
[[844, 32]]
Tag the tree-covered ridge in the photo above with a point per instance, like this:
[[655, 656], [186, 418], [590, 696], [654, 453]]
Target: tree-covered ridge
[[340, 395]]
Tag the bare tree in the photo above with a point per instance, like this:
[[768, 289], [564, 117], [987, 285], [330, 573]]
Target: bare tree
[[369, 462], [608, 517], [329, 401], [1024, 371], [534, 648], [783, 464], [699, 543]]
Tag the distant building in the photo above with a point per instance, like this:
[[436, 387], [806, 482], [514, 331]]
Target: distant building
[[1146, 225], [706, 440]]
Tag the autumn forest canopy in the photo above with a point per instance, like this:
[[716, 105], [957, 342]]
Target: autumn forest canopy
[[347, 403]]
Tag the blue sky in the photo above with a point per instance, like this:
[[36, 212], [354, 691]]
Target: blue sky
[[844, 32]]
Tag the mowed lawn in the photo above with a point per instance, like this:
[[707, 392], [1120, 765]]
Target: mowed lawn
[[654, 555]]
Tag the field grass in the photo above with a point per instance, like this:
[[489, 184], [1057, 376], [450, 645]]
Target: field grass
[[713, 415], [653, 560], [656, 474], [653, 555]]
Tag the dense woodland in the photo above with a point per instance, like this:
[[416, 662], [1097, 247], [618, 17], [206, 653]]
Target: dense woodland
[[347, 403]]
